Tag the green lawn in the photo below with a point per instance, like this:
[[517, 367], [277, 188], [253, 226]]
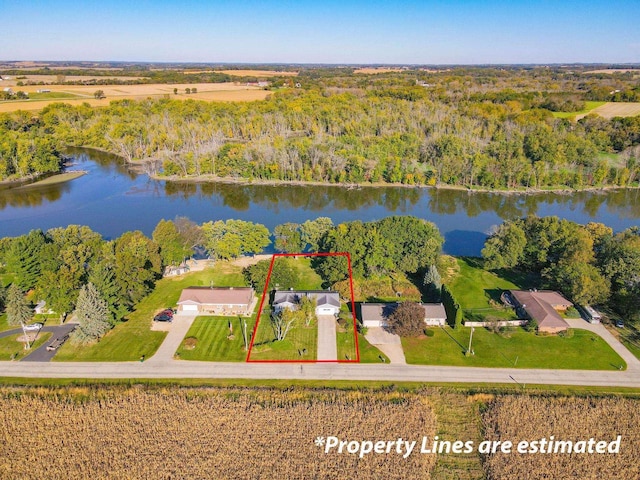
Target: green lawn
[[478, 291], [369, 353], [214, 342], [588, 107], [346, 345], [11, 349], [309, 279], [131, 339], [582, 351], [299, 338]]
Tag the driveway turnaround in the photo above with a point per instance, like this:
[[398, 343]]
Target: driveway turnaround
[[387, 343], [327, 348], [41, 354]]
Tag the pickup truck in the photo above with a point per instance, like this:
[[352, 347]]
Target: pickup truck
[[57, 343]]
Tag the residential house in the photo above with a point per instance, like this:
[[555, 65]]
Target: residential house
[[327, 301], [543, 307], [217, 300], [376, 314]]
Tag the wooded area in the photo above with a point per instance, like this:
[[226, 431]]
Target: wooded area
[[472, 127]]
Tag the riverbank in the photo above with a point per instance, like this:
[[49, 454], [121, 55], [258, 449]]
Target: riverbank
[[356, 186]]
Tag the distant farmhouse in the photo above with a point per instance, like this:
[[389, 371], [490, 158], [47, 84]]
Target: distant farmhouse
[[217, 300], [377, 314], [543, 307], [327, 301]]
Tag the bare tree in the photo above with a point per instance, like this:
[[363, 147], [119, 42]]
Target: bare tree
[[283, 321]]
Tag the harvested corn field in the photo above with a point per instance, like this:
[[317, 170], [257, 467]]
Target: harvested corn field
[[137, 432], [524, 418]]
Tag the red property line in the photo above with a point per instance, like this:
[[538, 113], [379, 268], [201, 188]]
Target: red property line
[[264, 295]]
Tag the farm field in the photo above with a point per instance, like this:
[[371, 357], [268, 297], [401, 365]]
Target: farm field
[[78, 94], [615, 109], [259, 73], [517, 418], [374, 70], [192, 432], [589, 107], [580, 350]]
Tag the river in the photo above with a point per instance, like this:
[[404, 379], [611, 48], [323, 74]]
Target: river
[[111, 200]]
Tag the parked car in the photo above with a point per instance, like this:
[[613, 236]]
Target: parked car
[[34, 327], [167, 311], [163, 317], [619, 324], [57, 343]]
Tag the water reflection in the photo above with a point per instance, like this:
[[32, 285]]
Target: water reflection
[[112, 199]]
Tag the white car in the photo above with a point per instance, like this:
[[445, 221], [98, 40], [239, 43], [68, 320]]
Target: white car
[[34, 327]]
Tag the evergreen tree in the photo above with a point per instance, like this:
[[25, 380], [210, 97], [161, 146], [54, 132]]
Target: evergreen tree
[[92, 313], [19, 311], [432, 284]]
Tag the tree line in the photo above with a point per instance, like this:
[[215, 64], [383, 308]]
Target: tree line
[[402, 134]]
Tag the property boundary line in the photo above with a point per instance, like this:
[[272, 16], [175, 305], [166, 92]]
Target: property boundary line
[[265, 293]]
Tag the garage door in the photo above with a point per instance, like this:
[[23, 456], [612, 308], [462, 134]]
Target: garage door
[[372, 323], [190, 308], [325, 311]]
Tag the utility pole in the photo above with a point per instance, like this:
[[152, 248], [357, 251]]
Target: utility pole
[[469, 351]]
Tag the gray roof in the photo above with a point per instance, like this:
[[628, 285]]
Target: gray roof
[[381, 311], [322, 297]]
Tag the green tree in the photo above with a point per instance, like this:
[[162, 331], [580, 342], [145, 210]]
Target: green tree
[[312, 232], [19, 311], [172, 245], [284, 275], [505, 248], [24, 258], [581, 282], [432, 284], [137, 265], [230, 239], [288, 238], [92, 314], [98, 94], [283, 321], [407, 320]]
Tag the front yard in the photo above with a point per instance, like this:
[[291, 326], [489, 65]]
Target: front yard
[[210, 339], [580, 350], [133, 338], [11, 349]]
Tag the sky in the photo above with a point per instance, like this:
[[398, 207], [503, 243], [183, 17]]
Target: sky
[[323, 31]]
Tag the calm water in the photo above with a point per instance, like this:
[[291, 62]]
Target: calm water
[[112, 200]]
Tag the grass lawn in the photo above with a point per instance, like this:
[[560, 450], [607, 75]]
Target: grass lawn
[[208, 340], [478, 291], [309, 279], [588, 107], [131, 339], [299, 338], [346, 344], [11, 349], [582, 351], [369, 353]]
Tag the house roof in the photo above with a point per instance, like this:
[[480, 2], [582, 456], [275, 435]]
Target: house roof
[[541, 305], [322, 297], [381, 311], [216, 295]]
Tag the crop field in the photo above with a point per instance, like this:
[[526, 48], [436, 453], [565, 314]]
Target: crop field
[[259, 73], [615, 109], [198, 433], [78, 94], [374, 70], [517, 418]]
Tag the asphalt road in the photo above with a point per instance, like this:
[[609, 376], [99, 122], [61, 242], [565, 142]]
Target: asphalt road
[[324, 371], [164, 367]]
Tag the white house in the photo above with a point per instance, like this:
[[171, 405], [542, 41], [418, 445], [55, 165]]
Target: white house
[[327, 302], [376, 314]]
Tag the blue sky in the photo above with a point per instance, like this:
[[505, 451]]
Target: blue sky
[[392, 32]]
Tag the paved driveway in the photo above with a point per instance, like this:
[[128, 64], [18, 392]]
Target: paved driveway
[[327, 348], [387, 343], [178, 328], [41, 354]]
